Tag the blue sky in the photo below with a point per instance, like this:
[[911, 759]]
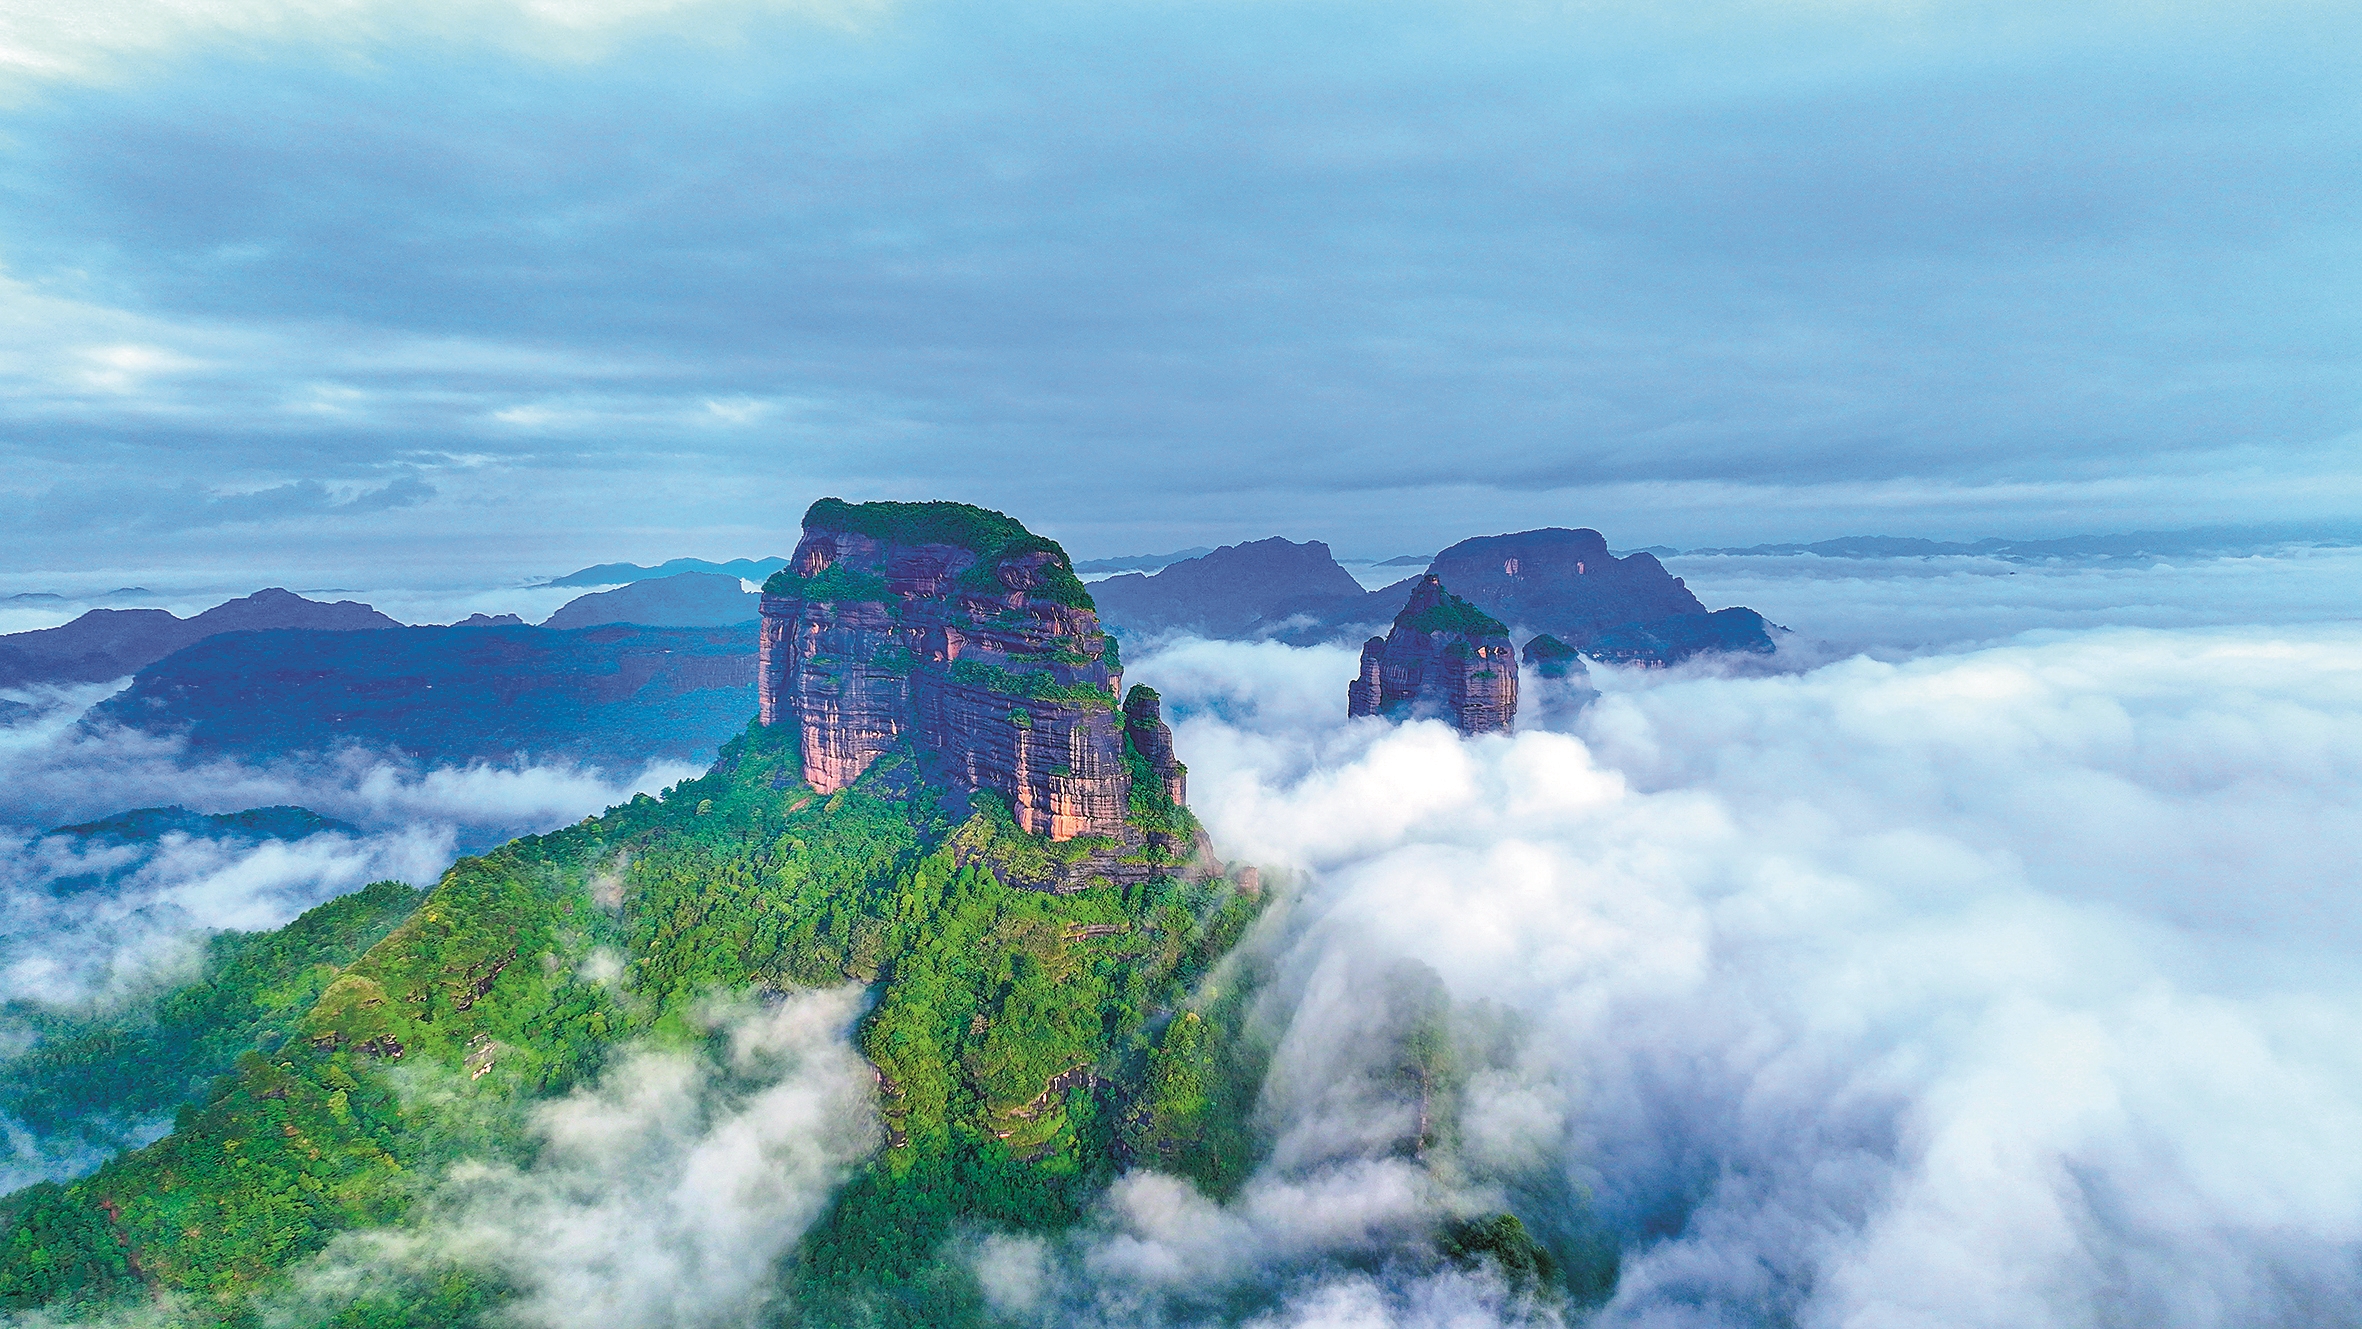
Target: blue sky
[[327, 289]]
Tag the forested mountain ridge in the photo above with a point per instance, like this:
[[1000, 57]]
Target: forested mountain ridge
[[1015, 1035], [948, 823]]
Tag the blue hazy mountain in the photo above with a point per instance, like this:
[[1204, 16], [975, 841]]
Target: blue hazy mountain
[[614, 574], [1237, 591], [1557, 581], [683, 600], [147, 825], [110, 643], [615, 696], [1139, 562]]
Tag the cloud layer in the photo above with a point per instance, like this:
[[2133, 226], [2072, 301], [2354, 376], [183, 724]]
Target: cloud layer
[[2007, 987], [659, 1198], [80, 921], [1384, 275]]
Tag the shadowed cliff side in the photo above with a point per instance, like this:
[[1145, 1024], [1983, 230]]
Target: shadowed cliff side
[[1443, 657]]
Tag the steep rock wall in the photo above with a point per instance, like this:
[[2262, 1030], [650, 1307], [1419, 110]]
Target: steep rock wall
[[1443, 657], [961, 631]]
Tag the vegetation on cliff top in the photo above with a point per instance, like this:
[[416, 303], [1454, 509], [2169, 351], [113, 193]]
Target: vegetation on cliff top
[[1020, 1039], [1037, 684], [994, 537], [1453, 614]]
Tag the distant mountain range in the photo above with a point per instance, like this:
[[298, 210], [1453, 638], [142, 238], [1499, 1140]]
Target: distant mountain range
[[615, 574], [110, 643], [1564, 583], [662, 665], [1138, 562], [616, 696]]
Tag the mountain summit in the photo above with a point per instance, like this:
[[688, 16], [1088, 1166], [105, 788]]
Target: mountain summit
[[1443, 657], [960, 631]]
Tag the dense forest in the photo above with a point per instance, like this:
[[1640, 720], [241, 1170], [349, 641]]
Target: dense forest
[[1026, 1046]]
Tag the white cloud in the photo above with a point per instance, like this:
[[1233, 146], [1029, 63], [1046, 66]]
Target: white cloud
[[144, 910], [1901, 605], [63, 40], [664, 1195], [2010, 987]]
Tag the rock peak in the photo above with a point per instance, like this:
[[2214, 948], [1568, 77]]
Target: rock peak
[[1443, 657], [957, 630]]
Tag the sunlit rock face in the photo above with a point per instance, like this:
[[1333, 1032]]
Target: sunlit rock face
[[958, 629], [1443, 657]]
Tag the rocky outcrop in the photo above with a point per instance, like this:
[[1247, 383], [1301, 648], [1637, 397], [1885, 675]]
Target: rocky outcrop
[[1444, 658], [1561, 683], [1551, 658], [1144, 725], [959, 631]]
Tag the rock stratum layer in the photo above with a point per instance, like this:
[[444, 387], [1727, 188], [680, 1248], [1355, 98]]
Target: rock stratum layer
[[959, 631], [1443, 657]]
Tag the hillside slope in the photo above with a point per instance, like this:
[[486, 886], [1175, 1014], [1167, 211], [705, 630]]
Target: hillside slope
[[686, 599], [1014, 1035]]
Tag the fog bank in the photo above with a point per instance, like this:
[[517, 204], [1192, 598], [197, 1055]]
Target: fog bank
[[2006, 987]]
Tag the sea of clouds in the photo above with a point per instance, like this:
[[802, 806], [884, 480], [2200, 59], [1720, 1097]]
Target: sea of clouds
[[2008, 985], [2002, 985]]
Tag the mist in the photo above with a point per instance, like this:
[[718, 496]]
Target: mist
[[2000, 982], [2006, 986], [1893, 607], [84, 921], [659, 1197]]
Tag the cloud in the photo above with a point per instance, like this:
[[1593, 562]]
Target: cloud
[[1902, 606], [45, 42], [88, 922], [662, 1196], [2003, 987], [1701, 276], [80, 921]]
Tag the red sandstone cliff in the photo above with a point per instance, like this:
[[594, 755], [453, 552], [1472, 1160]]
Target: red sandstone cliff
[[957, 629], [1443, 657]]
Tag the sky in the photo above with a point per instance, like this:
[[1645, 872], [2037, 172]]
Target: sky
[[305, 292]]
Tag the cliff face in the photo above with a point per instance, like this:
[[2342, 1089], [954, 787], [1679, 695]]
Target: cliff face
[[1443, 657], [961, 631]]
